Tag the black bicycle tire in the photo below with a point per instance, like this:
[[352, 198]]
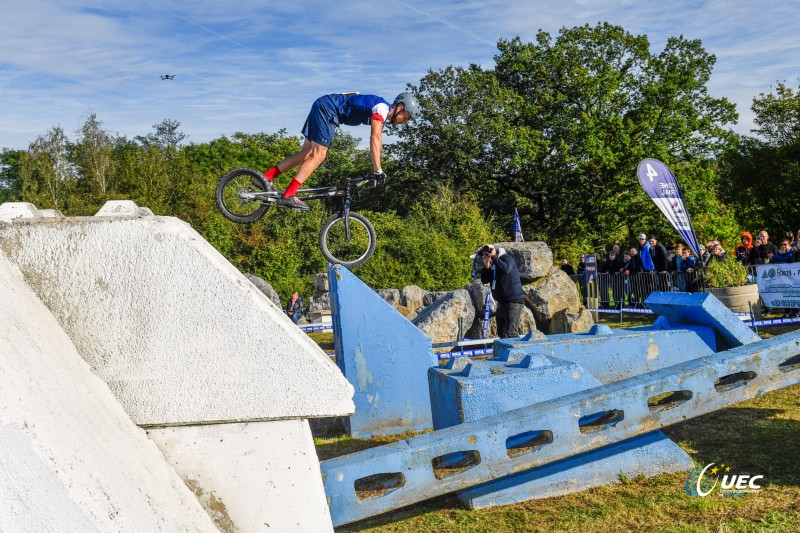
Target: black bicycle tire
[[326, 226], [220, 200]]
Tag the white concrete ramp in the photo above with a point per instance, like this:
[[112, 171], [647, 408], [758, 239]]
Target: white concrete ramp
[[70, 457], [220, 376], [178, 333]]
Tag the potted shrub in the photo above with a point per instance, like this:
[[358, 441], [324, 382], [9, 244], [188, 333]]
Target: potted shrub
[[727, 280]]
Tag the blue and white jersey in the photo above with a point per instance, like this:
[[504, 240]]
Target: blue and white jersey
[[355, 109]]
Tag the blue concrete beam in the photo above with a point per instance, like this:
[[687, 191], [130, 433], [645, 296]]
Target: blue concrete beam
[[464, 391], [702, 309], [595, 418], [611, 355], [383, 355]]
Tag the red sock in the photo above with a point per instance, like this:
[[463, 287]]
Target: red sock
[[292, 188], [272, 173]]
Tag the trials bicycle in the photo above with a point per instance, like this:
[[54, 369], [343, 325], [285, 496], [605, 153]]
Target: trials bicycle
[[346, 238]]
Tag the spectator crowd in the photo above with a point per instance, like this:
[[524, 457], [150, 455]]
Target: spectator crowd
[[627, 277]]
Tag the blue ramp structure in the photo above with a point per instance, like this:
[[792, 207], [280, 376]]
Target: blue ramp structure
[[383, 355], [611, 355], [536, 371], [374, 481], [702, 309]]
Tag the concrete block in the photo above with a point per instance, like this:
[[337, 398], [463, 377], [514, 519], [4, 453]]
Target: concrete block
[[611, 356], [597, 417], [703, 309], [383, 355], [177, 332], [649, 455], [12, 210], [480, 389], [123, 208], [71, 458], [256, 476], [51, 213]]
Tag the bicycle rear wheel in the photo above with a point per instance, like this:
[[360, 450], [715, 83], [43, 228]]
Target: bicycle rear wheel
[[234, 195], [338, 248]]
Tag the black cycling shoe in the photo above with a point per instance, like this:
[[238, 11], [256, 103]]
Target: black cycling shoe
[[293, 202]]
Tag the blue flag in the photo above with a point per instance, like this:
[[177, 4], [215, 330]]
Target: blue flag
[[517, 228], [662, 187]]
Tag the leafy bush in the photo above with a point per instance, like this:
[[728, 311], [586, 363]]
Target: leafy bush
[[728, 273]]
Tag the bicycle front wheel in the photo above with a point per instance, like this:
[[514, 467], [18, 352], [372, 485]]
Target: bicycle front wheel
[[349, 250], [234, 195]]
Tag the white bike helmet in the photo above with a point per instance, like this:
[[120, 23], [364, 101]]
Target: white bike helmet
[[410, 103]]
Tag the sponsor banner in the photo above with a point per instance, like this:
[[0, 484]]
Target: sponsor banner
[[779, 284], [316, 328], [661, 186], [477, 352]]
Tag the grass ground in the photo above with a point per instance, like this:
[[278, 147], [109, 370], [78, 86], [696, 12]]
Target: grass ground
[[760, 436]]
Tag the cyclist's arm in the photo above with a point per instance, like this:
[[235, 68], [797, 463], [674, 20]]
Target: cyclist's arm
[[375, 143]]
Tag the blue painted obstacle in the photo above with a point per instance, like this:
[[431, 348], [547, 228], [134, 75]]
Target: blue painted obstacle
[[411, 470], [536, 371], [383, 355], [610, 355], [703, 309]]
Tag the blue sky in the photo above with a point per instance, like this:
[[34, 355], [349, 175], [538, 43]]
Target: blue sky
[[256, 66]]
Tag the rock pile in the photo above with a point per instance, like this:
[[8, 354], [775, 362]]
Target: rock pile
[[552, 302]]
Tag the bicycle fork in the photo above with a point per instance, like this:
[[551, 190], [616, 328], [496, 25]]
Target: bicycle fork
[[346, 216]]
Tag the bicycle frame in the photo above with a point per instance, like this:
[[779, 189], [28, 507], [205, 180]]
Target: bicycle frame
[[319, 193]]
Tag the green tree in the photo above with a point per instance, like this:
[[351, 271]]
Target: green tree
[[558, 127], [47, 173], [94, 152], [10, 178], [761, 172]]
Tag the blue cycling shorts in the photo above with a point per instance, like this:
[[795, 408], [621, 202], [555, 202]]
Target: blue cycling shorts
[[322, 122]]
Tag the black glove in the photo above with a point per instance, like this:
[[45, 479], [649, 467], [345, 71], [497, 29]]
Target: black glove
[[379, 177]]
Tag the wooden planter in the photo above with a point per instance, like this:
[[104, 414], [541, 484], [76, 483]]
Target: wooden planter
[[739, 299]]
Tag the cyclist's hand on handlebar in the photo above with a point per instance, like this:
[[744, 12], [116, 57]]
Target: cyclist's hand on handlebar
[[379, 176]]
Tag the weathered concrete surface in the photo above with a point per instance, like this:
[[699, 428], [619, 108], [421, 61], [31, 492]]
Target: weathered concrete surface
[[440, 320], [256, 476], [383, 355], [478, 389], [71, 458], [179, 335], [705, 384], [703, 309]]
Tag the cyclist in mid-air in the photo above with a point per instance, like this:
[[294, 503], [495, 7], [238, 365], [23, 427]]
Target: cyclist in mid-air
[[327, 113]]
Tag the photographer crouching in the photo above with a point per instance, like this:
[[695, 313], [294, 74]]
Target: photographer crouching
[[500, 270]]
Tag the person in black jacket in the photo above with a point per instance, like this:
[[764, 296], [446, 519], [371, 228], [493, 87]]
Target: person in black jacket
[[500, 270], [660, 257]]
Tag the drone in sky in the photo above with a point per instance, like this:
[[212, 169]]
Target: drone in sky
[[168, 76]]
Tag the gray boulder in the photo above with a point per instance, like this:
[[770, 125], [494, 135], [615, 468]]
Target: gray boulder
[[439, 321], [431, 297], [321, 283], [549, 295], [477, 292], [534, 259], [265, 288], [567, 322], [412, 297], [321, 300], [526, 324], [390, 295]]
